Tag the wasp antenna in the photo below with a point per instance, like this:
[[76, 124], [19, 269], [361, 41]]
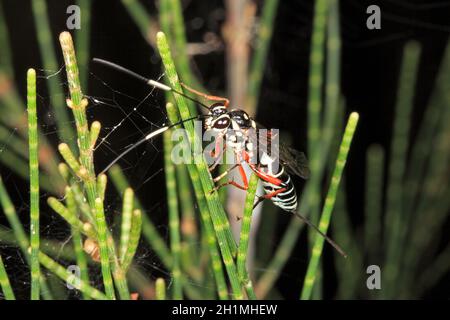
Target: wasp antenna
[[148, 81], [159, 85], [124, 70], [148, 137], [331, 242], [134, 146]]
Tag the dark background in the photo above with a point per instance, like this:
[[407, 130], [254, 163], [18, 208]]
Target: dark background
[[370, 65]]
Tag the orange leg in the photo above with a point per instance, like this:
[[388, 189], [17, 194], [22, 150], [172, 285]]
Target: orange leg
[[244, 185], [268, 196], [226, 102], [225, 173], [216, 154]]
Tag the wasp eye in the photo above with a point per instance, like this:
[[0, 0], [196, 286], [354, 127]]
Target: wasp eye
[[241, 118], [217, 109], [221, 123]]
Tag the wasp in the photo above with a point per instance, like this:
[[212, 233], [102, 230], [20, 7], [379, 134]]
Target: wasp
[[275, 169]]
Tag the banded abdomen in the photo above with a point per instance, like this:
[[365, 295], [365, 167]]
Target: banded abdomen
[[286, 199]]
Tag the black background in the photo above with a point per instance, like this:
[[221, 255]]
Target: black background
[[370, 64]]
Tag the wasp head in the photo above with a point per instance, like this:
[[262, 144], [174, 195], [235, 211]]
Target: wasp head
[[240, 119], [218, 118]]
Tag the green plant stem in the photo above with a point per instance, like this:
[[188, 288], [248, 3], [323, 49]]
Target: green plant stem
[[148, 229], [4, 282], [160, 289], [422, 148], [70, 159], [265, 238], [174, 219], [180, 52], [433, 205], [73, 221], [347, 238], [206, 219], [329, 205], [127, 216], [261, 49], [315, 74], [11, 216], [287, 243], [78, 105], [85, 210], [204, 175], [332, 80], [283, 252], [395, 216], [50, 63], [315, 81], [94, 132], [422, 153], [116, 269], [10, 139], [34, 183], [16, 163], [243, 239], [13, 116], [332, 90], [104, 251], [62, 273], [20, 167], [189, 230], [172, 23], [77, 241], [64, 251], [140, 17], [5, 58], [102, 180], [19, 234], [82, 38], [218, 216], [434, 272], [118, 274], [374, 200], [139, 280], [135, 234]]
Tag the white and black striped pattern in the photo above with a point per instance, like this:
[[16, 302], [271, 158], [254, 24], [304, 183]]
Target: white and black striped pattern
[[286, 200]]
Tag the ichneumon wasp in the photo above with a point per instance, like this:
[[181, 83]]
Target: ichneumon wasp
[[276, 179]]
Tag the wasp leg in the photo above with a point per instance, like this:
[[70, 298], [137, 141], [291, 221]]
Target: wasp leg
[[268, 196], [244, 185], [225, 173], [216, 154], [226, 102], [214, 165]]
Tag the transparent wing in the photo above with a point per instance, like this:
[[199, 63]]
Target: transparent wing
[[293, 160]]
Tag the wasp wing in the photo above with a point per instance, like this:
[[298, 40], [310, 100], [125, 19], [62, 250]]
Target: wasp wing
[[293, 160]]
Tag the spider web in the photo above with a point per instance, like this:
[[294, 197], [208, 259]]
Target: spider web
[[125, 119]]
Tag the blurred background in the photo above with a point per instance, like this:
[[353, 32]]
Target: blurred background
[[393, 203]]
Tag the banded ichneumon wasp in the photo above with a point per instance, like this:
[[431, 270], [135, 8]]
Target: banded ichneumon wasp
[[273, 168]]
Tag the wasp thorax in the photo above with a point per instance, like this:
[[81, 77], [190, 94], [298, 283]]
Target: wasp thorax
[[240, 119]]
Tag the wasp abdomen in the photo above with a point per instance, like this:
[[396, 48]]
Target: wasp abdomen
[[287, 199]]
